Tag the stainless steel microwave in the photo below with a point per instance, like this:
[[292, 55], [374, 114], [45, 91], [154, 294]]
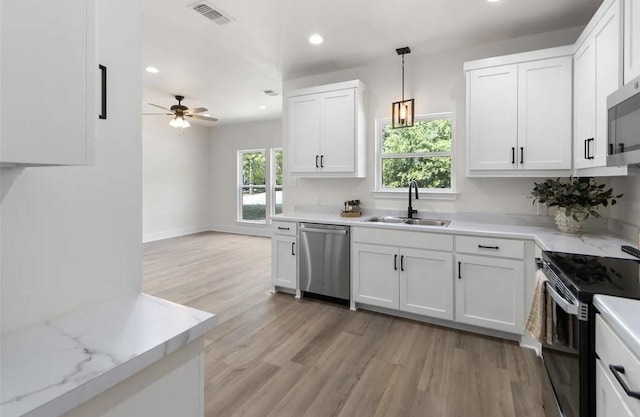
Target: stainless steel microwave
[[624, 125]]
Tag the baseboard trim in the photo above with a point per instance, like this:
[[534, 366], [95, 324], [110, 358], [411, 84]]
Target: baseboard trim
[[151, 237], [261, 230]]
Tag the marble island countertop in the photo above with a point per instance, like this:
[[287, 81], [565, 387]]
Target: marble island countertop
[[50, 368], [622, 315], [595, 242]]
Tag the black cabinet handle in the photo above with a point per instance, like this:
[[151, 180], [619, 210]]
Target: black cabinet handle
[[395, 262], [402, 263], [293, 247], [459, 270], [488, 247], [321, 161], [611, 149], [103, 104], [513, 155], [284, 228], [317, 166], [621, 145], [522, 155], [589, 148], [616, 370]]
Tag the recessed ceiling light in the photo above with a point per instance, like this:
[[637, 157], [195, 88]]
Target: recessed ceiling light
[[316, 39], [152, 70], [262, 107]]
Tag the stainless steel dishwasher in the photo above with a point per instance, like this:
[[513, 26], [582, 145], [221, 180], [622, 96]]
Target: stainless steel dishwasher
[[324, 260]]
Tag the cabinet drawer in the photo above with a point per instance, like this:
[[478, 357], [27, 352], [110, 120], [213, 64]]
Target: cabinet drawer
[[612, 351], [474, 245], [284, 228], [402, 238]]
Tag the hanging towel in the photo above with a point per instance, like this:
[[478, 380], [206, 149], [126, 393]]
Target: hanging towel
[[538, 320]]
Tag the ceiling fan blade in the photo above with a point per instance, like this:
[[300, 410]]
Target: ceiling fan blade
[[205, 118], [197, 110], [160, 107], [157, 114]]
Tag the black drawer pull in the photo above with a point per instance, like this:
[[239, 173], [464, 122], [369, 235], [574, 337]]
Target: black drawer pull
[[395, 262], [489, 247], [459, 268], [513, 155], [103, 103], [616, 370], [293, 246], [284, 228]]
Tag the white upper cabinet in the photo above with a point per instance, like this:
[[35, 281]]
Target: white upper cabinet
[[631, 40], [48, 76], [325, 129], [492, 111], [597, 74], [519, 114]]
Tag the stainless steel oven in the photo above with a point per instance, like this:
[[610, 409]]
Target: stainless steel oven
[[561, 352]]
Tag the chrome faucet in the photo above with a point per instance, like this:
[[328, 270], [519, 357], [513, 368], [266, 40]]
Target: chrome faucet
[[410, 210]]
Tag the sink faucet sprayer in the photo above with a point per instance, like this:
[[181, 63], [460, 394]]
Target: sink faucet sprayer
[[410, 210]]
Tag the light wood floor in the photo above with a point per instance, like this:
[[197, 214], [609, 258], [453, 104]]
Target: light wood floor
[[275, 356]]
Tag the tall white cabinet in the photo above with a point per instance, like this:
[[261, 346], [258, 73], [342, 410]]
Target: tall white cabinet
[[325, 130], [519, 114], [597, 73], [631, 40], [48, 80]]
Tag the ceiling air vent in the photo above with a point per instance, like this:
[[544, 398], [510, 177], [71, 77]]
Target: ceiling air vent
[[270, 93], [210, 13]]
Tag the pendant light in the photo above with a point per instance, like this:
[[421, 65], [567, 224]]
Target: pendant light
[[402, 113]]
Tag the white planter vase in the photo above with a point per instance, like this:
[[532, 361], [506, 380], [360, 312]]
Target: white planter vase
[[567, 224]]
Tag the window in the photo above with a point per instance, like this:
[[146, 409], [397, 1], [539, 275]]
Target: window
[[276, 181], [422, 152], [252, 186]]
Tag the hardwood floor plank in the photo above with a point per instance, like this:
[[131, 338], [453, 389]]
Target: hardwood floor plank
[[275, 356]]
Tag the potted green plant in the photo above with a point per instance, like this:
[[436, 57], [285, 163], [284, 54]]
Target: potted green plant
[[575, 199]]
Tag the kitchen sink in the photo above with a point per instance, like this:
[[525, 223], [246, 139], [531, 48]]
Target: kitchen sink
[[404, 220]]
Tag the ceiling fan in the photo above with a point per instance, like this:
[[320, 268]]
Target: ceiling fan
[[180, 112]]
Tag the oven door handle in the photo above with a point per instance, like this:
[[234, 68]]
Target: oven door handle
[[568, 307]]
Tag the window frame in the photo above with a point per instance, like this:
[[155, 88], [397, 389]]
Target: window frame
[[240, 186], [272, 179], [426, 193]]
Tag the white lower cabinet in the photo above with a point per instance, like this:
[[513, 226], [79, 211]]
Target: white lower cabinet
[[490, 292], [284, 260], [609, 402], [411, 280]]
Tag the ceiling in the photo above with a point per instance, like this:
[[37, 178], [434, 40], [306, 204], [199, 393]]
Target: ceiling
[[226, 67]]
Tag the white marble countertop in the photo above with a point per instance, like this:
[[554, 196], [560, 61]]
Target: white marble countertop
[[623, 315], [48, 369], [598, 243]]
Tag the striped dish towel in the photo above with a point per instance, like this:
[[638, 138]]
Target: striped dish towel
[[537, 322]]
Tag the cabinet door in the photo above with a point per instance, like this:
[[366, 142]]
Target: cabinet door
[[304, 133], [609, 402], [584, 67], [608, 50], [48, 72], [426, 286], [490, 292], [545, 114], [338, 131], [284, 268], [374, 276], [492, 114], [631, 40]]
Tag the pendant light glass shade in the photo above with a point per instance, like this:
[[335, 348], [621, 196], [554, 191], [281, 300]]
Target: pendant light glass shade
[[402, 113]]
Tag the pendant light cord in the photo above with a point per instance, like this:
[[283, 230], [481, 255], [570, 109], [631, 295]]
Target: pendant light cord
[[402, 77]]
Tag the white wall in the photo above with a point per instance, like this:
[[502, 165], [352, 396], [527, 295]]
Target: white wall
[[225, 143], [627, 208], [175, 174], [437, 83], [71, 235]]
